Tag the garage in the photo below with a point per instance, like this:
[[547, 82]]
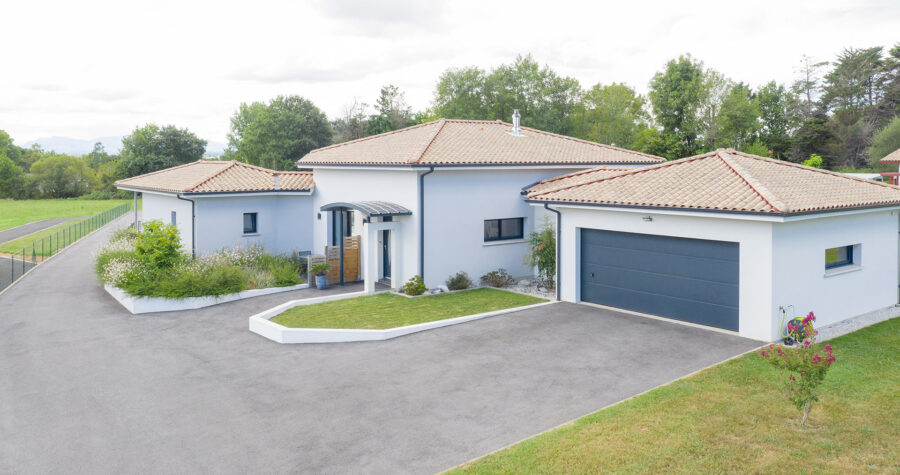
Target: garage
[[693, 280]]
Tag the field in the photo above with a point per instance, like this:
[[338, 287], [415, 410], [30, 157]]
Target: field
[[18, 212]]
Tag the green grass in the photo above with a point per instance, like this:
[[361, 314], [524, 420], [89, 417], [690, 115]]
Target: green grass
[[390, 311], [58, 241], [18, 212], [734, 418]]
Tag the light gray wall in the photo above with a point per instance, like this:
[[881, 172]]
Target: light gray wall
[[799, 265], [160, 206], [284, 222], [456, 204]]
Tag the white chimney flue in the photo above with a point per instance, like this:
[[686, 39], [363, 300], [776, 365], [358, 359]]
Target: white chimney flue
[[517, 131]]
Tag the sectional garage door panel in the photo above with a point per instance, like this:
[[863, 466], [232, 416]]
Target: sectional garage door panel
[[693, 280]]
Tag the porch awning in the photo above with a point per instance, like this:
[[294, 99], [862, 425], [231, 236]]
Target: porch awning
[[370, 208]]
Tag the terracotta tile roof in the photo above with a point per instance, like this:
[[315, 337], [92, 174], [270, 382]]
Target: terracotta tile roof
[[893, 157], [471, 142], [583, 176], [724, 180], [210, 176]]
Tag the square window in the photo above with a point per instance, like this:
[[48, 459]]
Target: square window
[[838, 257], [249, 223]]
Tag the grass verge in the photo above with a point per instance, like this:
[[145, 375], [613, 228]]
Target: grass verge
[[51, 246], [387, 310], [734, 418], [18, 212]]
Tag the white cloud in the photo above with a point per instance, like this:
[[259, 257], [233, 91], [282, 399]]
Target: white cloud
[[99, 68]]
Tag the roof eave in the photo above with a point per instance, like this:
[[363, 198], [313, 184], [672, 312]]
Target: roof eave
[[718, 211]]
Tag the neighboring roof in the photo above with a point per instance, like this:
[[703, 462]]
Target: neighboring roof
[[893, 157], [724, 180], [210, 176], [371, 208], [446, 142]]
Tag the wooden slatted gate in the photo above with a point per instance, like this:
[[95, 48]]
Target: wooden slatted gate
[[352, 261]]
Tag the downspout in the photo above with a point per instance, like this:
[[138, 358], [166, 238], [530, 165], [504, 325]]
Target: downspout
[[422, 222], [193, 225], [558, 248]]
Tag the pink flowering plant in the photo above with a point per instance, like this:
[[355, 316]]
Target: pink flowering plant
[[806, 363]]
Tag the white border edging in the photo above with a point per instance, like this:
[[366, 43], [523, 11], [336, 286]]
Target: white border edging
[[261, 325], [137, 305]]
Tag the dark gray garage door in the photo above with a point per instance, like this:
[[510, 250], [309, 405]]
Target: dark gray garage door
[[685, 279]]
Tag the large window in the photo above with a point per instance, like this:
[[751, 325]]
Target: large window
[[250, 223], [838, 257], [504, 229]]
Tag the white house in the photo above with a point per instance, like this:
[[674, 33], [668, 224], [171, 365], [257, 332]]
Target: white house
[[726, 239], [219, 204], [455, 191]]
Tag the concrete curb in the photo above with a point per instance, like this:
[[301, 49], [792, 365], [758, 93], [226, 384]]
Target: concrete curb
[[138, 305], [261, 325]]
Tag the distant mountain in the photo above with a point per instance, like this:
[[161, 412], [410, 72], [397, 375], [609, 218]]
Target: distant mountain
[[71, 146], [113, 145]]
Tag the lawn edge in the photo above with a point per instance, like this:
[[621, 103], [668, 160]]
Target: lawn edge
[[576, 419]]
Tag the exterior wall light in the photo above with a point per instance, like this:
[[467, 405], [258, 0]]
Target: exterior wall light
[[648, 218]]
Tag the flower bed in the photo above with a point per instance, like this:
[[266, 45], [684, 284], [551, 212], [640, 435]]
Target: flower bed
[[143, 265]]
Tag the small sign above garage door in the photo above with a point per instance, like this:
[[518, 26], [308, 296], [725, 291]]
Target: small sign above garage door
[[692, 280]]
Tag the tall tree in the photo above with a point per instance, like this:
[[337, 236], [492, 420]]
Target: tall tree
[[779, 115], [151, 147], [277, 134], [885, 141], [12, 178], [739, 117], [461, 93], [676, 94], [808, 87], [352, 123], [62, 176], [613, 114], [391, 112]]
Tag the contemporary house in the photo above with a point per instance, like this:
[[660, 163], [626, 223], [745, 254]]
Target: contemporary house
[[221, 204], [726, 239]]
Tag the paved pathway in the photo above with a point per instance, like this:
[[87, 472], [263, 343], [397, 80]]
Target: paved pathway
[[26, 229], [87, 387]]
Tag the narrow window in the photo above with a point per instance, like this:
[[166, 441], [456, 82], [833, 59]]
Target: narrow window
[[838, 257], [173, 218], [504, 229], [249, 223]]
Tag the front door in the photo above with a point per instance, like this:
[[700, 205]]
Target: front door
[[386, 253]]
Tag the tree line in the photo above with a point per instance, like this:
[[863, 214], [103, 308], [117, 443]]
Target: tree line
[[842, 114]]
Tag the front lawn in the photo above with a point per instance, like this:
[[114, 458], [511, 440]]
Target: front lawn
[[390, 311], [734, 418], [18, 212]]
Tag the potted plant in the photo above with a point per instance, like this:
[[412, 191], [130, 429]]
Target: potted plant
[[320, 270]]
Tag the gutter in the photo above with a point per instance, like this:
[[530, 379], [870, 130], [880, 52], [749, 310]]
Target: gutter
[[558, 248], [422, 222], [193, 224]]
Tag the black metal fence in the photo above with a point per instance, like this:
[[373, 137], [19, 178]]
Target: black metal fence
[[13, 266]]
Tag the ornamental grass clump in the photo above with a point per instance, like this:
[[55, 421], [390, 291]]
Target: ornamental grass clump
[[807, 364]]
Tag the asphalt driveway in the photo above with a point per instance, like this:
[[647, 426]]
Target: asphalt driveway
[[29, 228], [87, 387]]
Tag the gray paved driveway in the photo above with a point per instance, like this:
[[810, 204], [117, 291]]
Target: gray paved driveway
[[86, 387], [32, 227]]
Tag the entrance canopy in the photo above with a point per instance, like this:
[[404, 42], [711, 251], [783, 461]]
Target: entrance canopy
[[370, 208]]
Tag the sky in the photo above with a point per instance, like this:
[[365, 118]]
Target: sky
[[91, 69]]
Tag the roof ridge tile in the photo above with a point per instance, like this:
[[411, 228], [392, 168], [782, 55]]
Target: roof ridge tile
[[210, 177], [421, 155], [754, 184]]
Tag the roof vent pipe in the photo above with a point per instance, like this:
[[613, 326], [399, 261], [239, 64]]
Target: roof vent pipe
[[517, 131]]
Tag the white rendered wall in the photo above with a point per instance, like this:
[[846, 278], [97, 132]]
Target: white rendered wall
[[160, 206], [754, 237], [456, 204], [799, 266], [392, 185], [284, 222]]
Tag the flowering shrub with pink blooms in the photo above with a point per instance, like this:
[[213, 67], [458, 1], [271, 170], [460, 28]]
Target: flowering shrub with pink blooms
[[807, 364]]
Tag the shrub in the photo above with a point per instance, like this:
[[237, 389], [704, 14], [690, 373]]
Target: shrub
[[414, 286], [284, 273], [542, 253], [806, 367], [460, 281], [497, 278], [159, 245]]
